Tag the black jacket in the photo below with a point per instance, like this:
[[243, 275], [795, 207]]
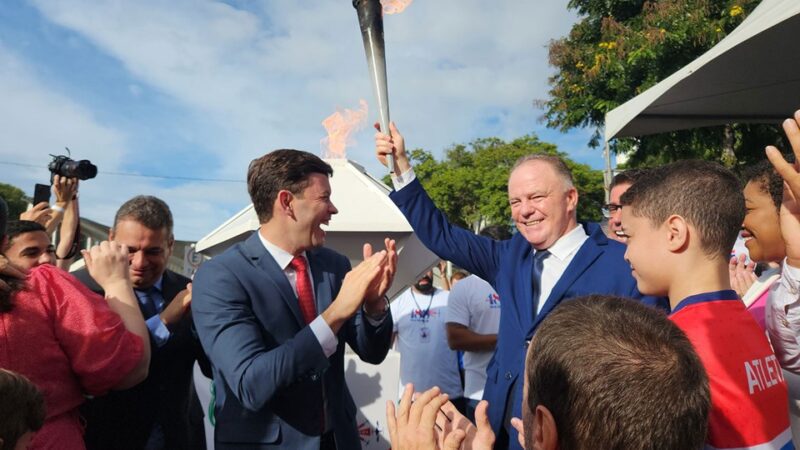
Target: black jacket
[[125, 419]]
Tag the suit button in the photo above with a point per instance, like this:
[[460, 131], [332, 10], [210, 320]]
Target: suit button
[[314, 377], [508, 375]]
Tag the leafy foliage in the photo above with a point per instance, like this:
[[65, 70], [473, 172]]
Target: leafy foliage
[[620, 48], [470, 185], [15, 198]]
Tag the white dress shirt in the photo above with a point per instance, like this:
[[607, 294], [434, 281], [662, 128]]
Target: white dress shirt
[[327, 340], [561, 254]]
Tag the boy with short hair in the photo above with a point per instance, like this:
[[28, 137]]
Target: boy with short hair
[[681, 222]]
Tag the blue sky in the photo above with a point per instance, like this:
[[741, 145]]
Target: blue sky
[[198, 88]]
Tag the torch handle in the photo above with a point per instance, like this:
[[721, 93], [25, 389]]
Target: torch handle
[[370, 19], [384, 121]]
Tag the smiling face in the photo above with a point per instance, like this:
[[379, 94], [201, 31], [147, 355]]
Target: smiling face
[[30, 249], [761, 227], [646, 253], [311, 209], [542, 204], [615, 217], [148, 251]]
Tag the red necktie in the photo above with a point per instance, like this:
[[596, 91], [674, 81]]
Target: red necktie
[[305, 295]]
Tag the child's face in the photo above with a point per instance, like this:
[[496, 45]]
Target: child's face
[[761, 227], [646, 253]]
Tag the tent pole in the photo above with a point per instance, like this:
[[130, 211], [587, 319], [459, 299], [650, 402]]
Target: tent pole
[[607, 174]]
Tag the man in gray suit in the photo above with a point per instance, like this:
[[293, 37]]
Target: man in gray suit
[[273, 314]]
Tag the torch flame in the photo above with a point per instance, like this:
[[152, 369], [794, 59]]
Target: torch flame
[[340, 125], [394, 6]]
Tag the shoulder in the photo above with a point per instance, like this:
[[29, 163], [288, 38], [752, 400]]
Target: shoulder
[[84, 277], [230, 257], [176, 279], [597, 238], [47, 274], [53, 285], [441, 295], [401, 299], [172, 283]]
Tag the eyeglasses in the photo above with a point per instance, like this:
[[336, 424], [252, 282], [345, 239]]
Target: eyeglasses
[[609, 209]]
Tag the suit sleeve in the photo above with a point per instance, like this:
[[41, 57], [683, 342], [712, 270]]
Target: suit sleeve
[[476, 254], [236, 344], [371, 343]]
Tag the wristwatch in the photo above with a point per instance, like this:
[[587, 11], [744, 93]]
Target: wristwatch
[[382, 314]]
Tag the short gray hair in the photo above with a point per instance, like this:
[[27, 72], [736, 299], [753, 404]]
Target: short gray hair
[[555, 162], [147, 210]]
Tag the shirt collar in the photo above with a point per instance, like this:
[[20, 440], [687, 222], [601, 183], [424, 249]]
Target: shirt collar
[[281, 256], [727, 294], [568, 243], [157, 285]]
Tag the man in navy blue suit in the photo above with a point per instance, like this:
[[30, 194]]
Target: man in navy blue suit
[[273, 314], [552, 258]]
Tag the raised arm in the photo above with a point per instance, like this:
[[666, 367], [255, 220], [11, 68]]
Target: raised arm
[[69, 226], [476, 254], [783, 307], [108, 264]]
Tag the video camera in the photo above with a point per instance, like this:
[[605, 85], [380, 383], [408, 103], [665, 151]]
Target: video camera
[[65, 166]]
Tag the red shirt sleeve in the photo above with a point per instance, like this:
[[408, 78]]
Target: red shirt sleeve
[[100, 349]]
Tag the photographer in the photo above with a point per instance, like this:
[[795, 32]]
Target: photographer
[[67, 340], [64, 213]]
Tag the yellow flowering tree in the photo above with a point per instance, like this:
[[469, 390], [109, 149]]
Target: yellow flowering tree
[[619, 48]]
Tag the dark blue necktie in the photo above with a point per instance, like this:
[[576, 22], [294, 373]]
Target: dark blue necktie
[[147, 302], [538, 264]]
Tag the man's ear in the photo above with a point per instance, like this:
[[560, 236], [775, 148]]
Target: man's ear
[[111, 234], [572, 199], [677, 233], [545, 434], [284, 203]]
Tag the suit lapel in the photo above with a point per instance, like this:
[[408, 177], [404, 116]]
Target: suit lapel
[[322, 285], [524, 292], [587, 254], [258, 254], [169, 287]]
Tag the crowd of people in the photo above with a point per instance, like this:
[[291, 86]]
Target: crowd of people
[[642, 334]]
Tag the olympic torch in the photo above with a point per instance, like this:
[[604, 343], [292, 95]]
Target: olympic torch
[[370, 18]]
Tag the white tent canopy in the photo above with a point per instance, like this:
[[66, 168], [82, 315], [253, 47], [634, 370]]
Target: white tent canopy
[[366, 214], [751, 76]]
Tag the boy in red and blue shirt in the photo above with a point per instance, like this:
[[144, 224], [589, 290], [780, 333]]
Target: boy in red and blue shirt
[[681, 222]]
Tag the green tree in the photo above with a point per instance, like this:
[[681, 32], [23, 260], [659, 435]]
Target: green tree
[[620, 48], [470, 185], [15, 198]]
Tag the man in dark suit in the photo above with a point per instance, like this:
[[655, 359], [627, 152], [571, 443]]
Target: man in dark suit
[[273, 314], [552, 258], [156, 413]]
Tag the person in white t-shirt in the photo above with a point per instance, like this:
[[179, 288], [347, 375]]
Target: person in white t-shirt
[[419, 326], [473, 319]]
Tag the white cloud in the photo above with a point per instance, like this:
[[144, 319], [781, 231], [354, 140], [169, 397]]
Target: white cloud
[[38, 121], [264, 78], [271, 76]]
